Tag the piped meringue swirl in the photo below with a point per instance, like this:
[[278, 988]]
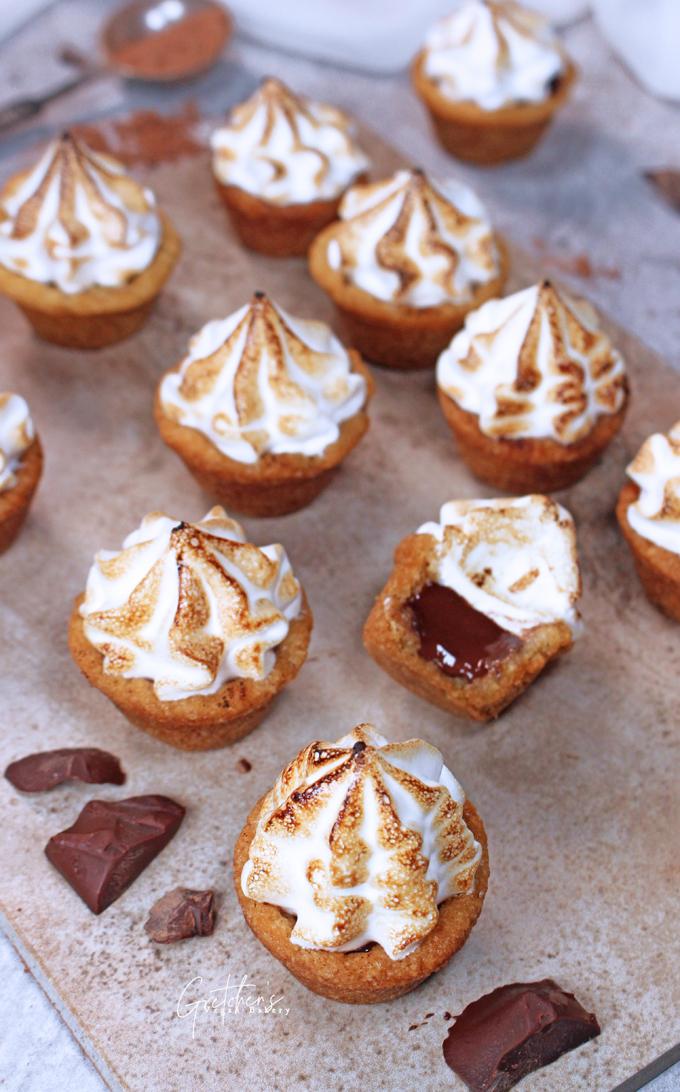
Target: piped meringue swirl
[[513, 560], [286, 149], [189, 606], [494, 54], [534, 364], [263, 381], [414, 241], [362, 840], [16, 436], [77, 219], [655, 514]]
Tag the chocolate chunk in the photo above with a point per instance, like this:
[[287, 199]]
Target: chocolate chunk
[[47, 769], [181, 914], [514, 1030], [244, 765], [111, 843], [460, 639]]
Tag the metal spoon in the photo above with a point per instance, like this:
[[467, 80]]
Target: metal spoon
[[140, 20]]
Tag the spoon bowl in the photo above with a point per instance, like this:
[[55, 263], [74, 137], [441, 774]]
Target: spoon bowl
[[164, 40]]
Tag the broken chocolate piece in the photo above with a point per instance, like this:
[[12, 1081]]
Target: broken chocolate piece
[[111, 843], [667, 184], [460, 639], [181, 914], [244, 765], [47, 769], [510, 1032]]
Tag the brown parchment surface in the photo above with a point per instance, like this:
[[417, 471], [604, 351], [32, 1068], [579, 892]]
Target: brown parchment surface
[[577, 783]]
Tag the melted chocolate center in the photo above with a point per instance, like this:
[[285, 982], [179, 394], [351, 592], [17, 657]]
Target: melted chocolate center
[[461, 640]]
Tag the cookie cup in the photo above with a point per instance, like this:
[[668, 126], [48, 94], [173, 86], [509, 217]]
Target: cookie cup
[[367, 976], [392, 334], [527, 465], [275, 485], [488, 137], [657, 568], [203, 722], [391, 639], [99, 316], [280, 231], [16, 501]]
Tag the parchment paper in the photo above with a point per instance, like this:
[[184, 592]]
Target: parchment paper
[[577, 783]]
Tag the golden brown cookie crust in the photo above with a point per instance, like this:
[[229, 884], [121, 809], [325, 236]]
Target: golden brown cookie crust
[[369, 976], [390, 334], [528, 465], [16, 501], [276, 484], [202, 722], [487, 137], [99, 316], [281, 231], [391, 639], [657, 568]]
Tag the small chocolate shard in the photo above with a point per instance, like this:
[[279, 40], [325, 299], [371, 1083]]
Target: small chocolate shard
[[667, 184], [508, 1033], [46, 769], [181, 914], [244, 765], [111, 843]]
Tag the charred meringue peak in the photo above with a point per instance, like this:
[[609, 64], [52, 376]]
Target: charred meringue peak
[[655, 514], [287, 149], [189, 606], [262, 381], [410, 240], [16, 436], [513, 560], [534, 364], [362, 840], [77, 219], [494, 54]]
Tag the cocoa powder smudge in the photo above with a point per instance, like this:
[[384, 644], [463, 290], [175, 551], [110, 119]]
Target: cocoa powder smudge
[[146, 138]]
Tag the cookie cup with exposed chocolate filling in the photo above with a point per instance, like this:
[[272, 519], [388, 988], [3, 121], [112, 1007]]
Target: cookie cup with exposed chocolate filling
[[202, 722], [16, 501], [657, 568], [275, 485], [489, 137], [368, 976], [527, 464], [392, 640]]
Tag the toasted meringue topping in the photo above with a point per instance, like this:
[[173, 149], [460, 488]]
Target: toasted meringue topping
[[656, 470], [410, 240], [262, 381], [513, 560], [534, 364], [77, 219], [287, 149], [493, 54], [16, 436], [189, 606], [362, 840]]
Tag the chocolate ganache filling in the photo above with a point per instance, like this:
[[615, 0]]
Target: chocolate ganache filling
[[461, 640]]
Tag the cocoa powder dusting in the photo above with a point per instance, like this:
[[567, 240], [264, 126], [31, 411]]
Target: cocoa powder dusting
[[146, 138], [182, 49], [575, 265]]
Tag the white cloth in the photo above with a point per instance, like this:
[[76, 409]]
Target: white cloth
[[646, 35]]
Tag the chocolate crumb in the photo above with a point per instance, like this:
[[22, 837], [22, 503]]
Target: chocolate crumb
[[412, 1027], [447, 1016], [181, 914], [667, 185], [46, 769], [244, 765]]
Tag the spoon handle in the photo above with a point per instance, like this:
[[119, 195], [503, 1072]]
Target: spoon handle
[[18, 110]]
